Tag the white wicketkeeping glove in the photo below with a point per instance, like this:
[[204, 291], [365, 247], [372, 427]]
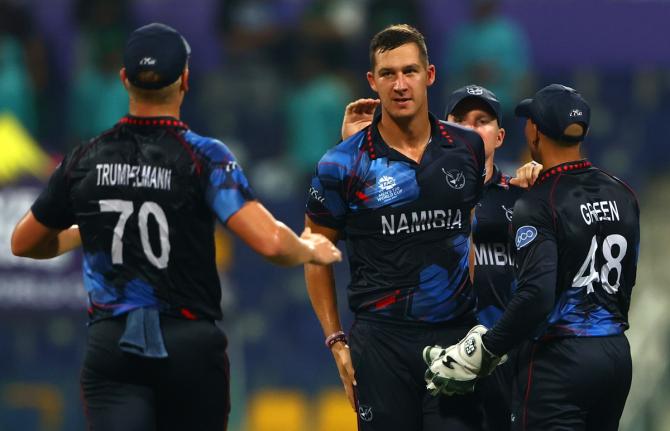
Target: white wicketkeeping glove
[[454, 370]]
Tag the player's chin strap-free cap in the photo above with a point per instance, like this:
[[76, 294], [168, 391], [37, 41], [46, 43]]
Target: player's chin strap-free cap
[[553, 109], [477, 92], [155, 56]]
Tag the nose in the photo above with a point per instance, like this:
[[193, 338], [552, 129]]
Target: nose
[[400, 84]]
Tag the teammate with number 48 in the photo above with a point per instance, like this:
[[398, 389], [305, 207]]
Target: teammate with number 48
[[577, 243]]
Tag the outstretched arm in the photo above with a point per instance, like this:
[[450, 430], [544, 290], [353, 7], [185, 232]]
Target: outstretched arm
[[271, 238]]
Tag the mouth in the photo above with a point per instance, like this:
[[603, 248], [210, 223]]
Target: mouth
[[402, 101]]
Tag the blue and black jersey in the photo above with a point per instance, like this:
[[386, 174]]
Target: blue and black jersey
[[577, 238], [494, 254], [146, 195], [406, 224]]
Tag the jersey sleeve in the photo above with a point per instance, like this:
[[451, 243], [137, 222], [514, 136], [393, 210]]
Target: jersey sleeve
[[227, 188], [536, 261], [476, 147], [53, 207], [326, 203]]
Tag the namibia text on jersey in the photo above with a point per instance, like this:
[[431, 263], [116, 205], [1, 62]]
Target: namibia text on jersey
[[419, 221]]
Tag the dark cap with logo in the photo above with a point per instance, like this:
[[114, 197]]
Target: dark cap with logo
[[158, 49], [477, 92], [553, 109]]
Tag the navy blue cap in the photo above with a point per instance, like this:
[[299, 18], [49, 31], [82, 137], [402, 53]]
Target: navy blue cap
[[554, 108], [477, 92], [155, 48]]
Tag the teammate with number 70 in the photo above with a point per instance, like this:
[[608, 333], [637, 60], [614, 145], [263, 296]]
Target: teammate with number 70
[[577, 244], [145, 195]]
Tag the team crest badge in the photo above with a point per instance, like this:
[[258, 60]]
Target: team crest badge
[[365, 413], [455, 178]]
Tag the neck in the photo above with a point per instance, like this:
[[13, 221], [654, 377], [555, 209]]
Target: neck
[[489, 169], [410, 133], [142, 109], [554, 155]]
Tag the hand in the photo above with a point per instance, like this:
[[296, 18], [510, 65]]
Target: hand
[[526, 175], [324, 252], [358, 115], [456, 368], [345, 367]]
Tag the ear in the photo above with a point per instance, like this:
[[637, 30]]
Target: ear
[[184, 80], [123, 77], [371, 81], [430, 71], [500, 137]]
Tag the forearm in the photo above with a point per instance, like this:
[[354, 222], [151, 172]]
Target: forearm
[[53, 246], [321, 289], [290, 250]]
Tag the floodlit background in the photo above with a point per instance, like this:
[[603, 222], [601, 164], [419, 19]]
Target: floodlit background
[[270, 79]]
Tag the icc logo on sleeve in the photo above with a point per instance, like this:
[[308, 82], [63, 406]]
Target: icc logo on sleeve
[[524, 236]]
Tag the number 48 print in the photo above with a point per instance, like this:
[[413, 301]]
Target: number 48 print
[[584, 278]]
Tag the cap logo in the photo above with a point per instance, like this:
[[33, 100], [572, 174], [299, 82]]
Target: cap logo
[[576, 113], [475, 91], [147, 61]]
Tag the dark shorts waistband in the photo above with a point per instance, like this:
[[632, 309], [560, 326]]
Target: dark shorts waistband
[[466, 320]]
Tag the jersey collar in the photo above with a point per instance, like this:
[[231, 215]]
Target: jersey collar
[[497, 179], [375, 146], [152, 121], [573, 166]]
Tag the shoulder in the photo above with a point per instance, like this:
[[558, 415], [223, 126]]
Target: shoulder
[[533, 206], [462, 134], [343, 156], [208, 147]]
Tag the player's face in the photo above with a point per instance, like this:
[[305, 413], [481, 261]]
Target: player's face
[[484, 123], [401, 80]]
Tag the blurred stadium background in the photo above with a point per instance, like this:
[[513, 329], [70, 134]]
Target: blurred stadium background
[[271, 78]]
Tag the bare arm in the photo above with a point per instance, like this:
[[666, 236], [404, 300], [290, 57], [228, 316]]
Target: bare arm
[[271, 238], [35, 240], [321, 289]]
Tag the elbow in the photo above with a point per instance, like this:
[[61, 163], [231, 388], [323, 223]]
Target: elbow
[[19, 248]]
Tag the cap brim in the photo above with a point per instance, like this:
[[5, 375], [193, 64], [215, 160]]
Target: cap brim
[[452, 102], [523, 108], [455, 101]]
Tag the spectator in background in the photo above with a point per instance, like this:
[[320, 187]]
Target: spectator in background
[[491, 50], [382, 13], [100, 51], [23, 66], [314, 107]]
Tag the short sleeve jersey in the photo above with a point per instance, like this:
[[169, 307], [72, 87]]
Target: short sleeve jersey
[[494, 251], [146, 195], [593, 220], [406, 224]]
